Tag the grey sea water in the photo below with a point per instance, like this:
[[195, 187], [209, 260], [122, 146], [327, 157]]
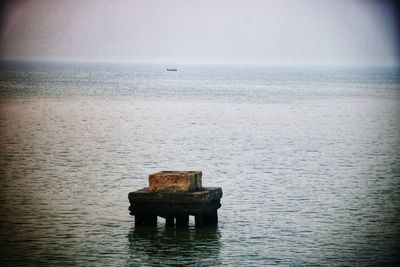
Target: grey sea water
[[308, 159]]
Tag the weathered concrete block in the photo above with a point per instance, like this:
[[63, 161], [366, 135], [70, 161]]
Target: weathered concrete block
[[206, 196], [175, 181]]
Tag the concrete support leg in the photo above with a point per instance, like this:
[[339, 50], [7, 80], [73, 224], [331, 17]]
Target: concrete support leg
[[212, 218], [206, 219], [169, 221], [146, 219], [182, 220], [199, 220]]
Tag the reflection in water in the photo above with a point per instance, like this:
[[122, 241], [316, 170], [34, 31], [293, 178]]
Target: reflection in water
[[174, 246]]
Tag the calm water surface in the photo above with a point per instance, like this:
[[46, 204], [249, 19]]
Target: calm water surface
[[308, 159]]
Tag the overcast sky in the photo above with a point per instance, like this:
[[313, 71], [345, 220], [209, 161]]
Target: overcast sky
[[327, 32]]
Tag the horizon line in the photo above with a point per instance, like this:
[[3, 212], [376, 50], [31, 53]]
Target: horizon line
[[166, 63]]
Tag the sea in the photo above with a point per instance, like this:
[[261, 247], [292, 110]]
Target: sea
[[308, 159]]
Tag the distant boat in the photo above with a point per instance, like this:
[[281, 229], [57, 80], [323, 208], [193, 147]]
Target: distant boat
[[172, 69]]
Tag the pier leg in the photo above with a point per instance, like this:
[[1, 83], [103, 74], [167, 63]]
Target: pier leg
[[182, 220], [212, 218], [199, 220], [206, 219], [146, 219], [169, 221]]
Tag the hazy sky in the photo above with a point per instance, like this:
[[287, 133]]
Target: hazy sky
[[328, 32]]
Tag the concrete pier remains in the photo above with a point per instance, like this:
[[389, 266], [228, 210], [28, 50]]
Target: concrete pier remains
[[176, 195]]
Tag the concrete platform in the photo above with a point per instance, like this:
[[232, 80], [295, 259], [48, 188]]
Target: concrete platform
[[176, 206], [205, 195]]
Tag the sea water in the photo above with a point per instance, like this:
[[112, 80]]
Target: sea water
[[308, 160]]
